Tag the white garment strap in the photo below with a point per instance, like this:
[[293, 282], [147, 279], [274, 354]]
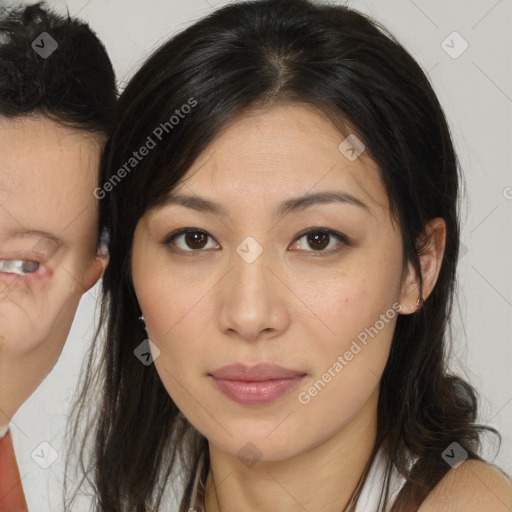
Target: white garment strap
[[196, 484]]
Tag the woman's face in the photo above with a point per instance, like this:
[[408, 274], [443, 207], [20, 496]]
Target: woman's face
[[230, 276]]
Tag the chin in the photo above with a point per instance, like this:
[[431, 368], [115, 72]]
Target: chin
[[251, 451], [248, 441]]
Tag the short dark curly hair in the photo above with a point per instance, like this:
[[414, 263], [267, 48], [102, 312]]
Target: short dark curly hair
[[75, 85]]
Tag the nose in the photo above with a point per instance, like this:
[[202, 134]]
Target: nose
[[253, 300]]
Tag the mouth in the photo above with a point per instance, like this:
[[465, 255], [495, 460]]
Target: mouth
[[255, 385]]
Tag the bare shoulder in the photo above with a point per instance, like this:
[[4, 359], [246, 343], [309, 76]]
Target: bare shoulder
[[474, 486]]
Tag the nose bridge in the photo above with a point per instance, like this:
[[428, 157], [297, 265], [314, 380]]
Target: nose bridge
[[250, 250], [250, 302], [250, 273]]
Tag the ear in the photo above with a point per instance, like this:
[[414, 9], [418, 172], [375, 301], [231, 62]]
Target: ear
[[94, 271], [431, 257]]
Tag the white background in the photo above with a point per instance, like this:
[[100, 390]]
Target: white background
[[476, 91]]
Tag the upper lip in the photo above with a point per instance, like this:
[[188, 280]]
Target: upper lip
[[258, 372]]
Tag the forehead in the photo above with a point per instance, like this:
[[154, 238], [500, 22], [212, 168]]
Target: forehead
[[47, 174], [283, 152]]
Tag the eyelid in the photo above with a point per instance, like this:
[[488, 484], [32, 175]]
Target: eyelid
[[29, 255], [320, 229], [342, 238], [171, 237]]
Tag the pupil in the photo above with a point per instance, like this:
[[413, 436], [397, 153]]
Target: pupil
[[194, 239], [316, 239], [29, 266]]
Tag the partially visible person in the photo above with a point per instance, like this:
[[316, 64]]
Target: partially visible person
[[57, 94]]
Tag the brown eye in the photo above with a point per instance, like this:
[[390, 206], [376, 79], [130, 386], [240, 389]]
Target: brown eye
[[320, 239], [196, 239], [189, 240]]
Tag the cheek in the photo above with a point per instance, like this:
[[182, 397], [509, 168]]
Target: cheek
[[24, 325], [170, 299], [173, 324], [34, 310], [359, 313], [351, 302], [173, 309], [179, 366], [347, 363]]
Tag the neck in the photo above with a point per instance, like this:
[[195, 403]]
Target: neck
[[320, 479]]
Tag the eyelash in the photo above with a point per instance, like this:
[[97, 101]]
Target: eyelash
[[24, 262], [343, 239]]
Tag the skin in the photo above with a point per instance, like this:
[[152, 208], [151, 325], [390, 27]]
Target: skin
[[209, 308], [47, 176], [473, 486]]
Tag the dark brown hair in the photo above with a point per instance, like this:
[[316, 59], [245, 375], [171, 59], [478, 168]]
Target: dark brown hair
[[258, 54], [74, 86]]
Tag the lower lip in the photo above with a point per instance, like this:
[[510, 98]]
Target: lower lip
[[256, 392]]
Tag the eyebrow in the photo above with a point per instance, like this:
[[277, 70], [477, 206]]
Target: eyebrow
[[28, 233], [290, 205]]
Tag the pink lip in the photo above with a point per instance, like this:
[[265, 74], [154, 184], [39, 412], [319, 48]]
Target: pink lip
[[255, 385]]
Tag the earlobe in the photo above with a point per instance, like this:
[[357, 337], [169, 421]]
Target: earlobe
[[95, 271], [410, 292], [431, 255]]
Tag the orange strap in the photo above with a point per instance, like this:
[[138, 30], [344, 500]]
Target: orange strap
[[12, 498]]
